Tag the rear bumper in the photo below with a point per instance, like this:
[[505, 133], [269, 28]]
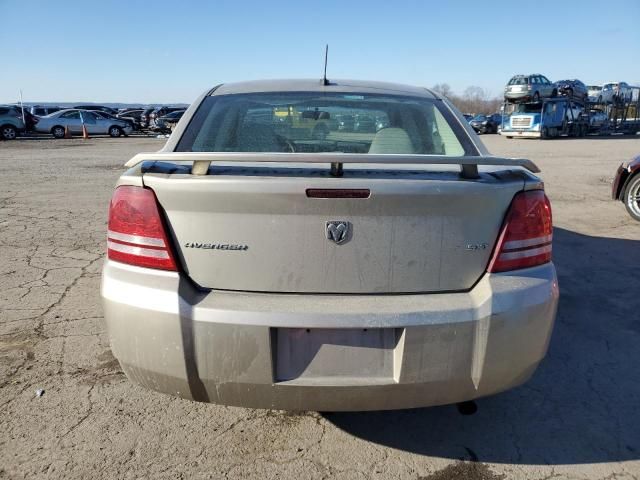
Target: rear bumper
[[524, 96], [248, 349]]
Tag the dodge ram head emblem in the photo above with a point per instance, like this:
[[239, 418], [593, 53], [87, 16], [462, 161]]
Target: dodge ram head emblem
[[337, 231]]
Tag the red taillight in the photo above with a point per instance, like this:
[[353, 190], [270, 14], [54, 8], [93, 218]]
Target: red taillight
[[528, 87], [525, 239], [136, 232]]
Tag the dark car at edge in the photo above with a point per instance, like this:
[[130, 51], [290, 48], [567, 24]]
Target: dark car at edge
[[626, 187]]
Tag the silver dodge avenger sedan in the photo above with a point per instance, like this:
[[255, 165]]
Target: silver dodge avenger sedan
[[267, 258]]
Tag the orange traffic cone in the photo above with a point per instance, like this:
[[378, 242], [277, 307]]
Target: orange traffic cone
[[85, 134], [67, 133]]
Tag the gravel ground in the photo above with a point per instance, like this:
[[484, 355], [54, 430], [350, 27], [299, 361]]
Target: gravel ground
[[577, 418]]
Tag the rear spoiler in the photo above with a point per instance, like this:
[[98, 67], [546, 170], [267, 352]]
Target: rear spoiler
[[202, 161]]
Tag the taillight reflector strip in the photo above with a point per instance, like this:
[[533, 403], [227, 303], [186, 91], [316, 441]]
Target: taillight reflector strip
[[515, 244], [532, 252], [139, 251], [136, 239]]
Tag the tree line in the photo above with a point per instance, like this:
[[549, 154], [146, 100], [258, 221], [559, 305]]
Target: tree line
[[473, 100]]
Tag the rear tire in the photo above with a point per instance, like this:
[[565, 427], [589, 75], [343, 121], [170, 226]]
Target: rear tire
[[57, 131], [115, 132], [632, 197], [8, 132], [536, 97]]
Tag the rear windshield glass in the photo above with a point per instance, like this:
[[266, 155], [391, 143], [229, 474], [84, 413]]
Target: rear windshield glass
[[311, 122], [519, 81]]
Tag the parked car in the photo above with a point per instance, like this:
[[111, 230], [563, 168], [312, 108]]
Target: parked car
[[135, 116], [346, 122], [11, 123], [272, 279], [594, 91], [100, 108], [364, 124], [614, 91], [597, 119], [166, 123], [106, 115], [41, 111], [486, 123], [526, 88], [24, 112], [160, 112], [144, 117], [128, 109], [573, 89], [626, 187], [72, 119]]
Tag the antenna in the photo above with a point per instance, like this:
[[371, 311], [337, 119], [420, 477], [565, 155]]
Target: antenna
[[325, 81]]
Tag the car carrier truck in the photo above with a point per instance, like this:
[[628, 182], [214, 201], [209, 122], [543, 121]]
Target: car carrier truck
[[553, 117]]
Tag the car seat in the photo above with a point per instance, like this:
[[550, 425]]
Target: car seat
[[392, 140]]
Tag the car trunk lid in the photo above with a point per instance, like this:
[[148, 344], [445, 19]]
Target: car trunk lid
[[280, 229]]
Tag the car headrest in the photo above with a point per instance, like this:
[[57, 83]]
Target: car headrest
[[391, 140]]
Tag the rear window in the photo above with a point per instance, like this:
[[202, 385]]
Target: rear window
[[519, 81], [309, 122]]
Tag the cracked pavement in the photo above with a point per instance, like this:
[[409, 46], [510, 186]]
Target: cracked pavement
[[577, 418]]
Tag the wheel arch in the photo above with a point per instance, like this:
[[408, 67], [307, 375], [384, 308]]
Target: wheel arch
[[625, 180]]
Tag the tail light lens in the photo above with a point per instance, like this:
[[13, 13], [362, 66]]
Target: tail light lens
[[525, 239], [528, 87], [137, 235]]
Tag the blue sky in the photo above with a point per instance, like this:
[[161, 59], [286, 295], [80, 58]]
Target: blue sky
[[170, 51]]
